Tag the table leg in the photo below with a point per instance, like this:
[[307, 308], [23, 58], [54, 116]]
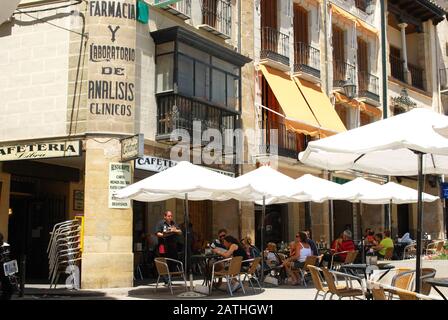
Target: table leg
[[439, 292]]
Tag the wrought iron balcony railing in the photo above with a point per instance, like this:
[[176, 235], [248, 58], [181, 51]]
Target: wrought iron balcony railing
[[306, 59], [182, 9], [416, 76], [368, 86], [274, 45], [176, 112], [342, 72], [217, 14], [289, 143]]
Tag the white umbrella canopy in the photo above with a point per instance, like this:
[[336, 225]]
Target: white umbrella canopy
[[384, 147], [365, 191], [402, 194], [403, 145], [269, 183], [318, 190], [185, 178]]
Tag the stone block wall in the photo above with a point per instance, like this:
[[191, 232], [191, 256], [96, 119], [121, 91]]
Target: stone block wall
[[34, 62]]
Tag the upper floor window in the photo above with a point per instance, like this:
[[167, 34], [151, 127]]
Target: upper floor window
[[195, 73]]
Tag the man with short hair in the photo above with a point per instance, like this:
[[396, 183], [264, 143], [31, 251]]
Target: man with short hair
[[167, 232], [385, 243], [217, 244], [311, 242]]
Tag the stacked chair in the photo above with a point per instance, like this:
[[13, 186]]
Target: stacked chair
[[64, 252]]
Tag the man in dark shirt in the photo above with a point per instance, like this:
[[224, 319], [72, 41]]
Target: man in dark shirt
[[311, 242], [167, 232]]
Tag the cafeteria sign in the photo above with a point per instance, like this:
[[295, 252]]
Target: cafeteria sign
[[132, 147], [119, 178], [42, 150]]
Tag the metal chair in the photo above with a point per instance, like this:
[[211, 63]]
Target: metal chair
[[321, 290], [348, 291], [164, 271], [401, 281], [349, 259], [309, 261], [435, 247], [389, 253], [378, 293], [251, 273], [231, 271], [410, 251]]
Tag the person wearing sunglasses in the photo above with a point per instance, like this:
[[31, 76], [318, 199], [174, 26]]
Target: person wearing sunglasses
[[218, 244]]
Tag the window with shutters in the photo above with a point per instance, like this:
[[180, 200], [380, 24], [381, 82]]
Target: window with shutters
[[274, 44]]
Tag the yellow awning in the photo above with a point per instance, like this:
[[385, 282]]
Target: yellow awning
[[353, 103], [298, 116], [340, 98], [366, 27], [373, 111], [321, 106], [342, 13]]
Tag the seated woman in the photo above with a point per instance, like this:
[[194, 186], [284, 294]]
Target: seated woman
[[301, 251], [251, 251], [233, 249]]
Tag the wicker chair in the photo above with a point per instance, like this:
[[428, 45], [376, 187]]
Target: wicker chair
[[435, 247], [349, 259], [378, 293], [321, 290], [401, 281], [310, 261], [231, 270], [347, 292], [389, 253], [164, 271], [410, 251], [251, 273]]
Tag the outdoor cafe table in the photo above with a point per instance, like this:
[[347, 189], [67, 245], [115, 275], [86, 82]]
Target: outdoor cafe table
[[207, 263], [356, 269], [438, 282]]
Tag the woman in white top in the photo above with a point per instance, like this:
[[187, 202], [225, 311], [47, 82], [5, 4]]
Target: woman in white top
[[297, 260]]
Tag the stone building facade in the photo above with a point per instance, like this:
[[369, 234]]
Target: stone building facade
[[87, 74]]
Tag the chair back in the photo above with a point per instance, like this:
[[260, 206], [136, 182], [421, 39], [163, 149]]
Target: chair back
[[351, 257], [427, 273], [310, 261], [409, 251], [330, 281], [407, 295], [402, 270], [378, 294], [316, 278], [389, 253], [403, 280], [162, 266], [440, 246], [235, 266], [253, 267]]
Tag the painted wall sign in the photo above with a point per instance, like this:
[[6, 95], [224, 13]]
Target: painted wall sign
[[132, 147], [155, 164], [111, 77], [41, 150], [120, 176]]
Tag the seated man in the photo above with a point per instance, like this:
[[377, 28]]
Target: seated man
[[384, 244], [342, 245]]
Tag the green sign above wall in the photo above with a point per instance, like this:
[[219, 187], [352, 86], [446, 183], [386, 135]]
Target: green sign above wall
[[142, 12]]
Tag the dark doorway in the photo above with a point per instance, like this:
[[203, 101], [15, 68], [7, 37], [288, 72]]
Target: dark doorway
[[32, 219], [275, 223], [343, 216], [403, 220]]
